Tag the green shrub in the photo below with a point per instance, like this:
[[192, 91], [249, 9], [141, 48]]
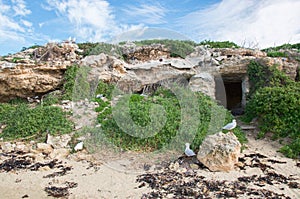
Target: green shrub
[[23, 121], [293, 149], [98, 48], [275, 101], [16, 59], [30, 47], [69, 82], [50, 99], [276, 54], [219, 44], [283, 47], [263, 76], [139, 112], [278, 109], [82, 88], [178, 48], [105, 89]]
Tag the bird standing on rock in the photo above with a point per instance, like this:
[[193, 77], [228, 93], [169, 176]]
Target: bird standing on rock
[[188, 152], [230, 126]]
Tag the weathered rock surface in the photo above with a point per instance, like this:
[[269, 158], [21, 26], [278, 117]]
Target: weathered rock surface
[[58, 141], [34, 72], [219, 152], [136, 54], [203, 82], [44, 148]]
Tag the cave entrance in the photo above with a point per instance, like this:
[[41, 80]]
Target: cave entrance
[[231, 92], [233, 95]]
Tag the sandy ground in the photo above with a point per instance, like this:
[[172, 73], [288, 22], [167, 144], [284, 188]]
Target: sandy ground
[[114, 176]]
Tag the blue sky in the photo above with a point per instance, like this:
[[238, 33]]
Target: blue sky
[[250, 23]]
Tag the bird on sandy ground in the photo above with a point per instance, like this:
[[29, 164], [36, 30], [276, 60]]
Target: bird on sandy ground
[[188, 152], [230, 126]]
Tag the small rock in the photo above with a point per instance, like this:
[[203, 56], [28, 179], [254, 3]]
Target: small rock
[[45, 168], [22, 148], [59, 153], [220, 152], [44, 148], [7, 147], [78, 146], [58, 141], [65, 101], [194, 166], [174, 166]]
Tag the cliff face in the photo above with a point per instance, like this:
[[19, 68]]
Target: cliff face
[[37, 71]]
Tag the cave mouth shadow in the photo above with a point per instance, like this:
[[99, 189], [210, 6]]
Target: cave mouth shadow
[[229, 93]]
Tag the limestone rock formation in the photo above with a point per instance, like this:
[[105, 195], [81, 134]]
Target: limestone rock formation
[[203, 82], [34, 72], [219, 152], [134, 54]]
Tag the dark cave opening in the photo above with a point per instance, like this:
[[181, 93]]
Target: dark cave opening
[[233, 95], [229, 94]]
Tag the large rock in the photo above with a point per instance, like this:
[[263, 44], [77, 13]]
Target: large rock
[[219, 152], [35, 72], [203, 82]]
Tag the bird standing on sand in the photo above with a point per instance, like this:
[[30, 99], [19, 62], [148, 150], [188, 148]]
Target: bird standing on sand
[[230, 126], [188, 152]]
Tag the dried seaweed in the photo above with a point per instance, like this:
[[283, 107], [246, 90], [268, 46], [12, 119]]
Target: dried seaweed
[[169, 183], [59, 192], [62, 172]]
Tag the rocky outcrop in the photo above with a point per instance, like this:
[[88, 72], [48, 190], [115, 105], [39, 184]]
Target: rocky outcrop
[[219, 152], [37, 71], [34, 72], [134, 54]]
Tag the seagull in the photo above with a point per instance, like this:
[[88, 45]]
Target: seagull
[[188, 152], [230, 126]]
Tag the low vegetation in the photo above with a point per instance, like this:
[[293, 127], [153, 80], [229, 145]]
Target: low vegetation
[[177, 48], [274, 100], [284, 47], [23, 121], [219, 44], [98, 48], [140, 109]]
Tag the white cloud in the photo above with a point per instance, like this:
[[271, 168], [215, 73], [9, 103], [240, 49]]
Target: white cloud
[[262, 22], [26, 23], [19, 7], [91, 20], [15, 30], [12, 28], [149, 14]]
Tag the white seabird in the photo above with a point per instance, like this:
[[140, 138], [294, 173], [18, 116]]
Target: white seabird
[[188, 152], [230, 126]]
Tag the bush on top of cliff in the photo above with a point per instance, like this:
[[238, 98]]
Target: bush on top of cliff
[[286, 50], [98, 48], [275, 101], [140, 109], [284, 47], [219, 44], [177, 48]]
